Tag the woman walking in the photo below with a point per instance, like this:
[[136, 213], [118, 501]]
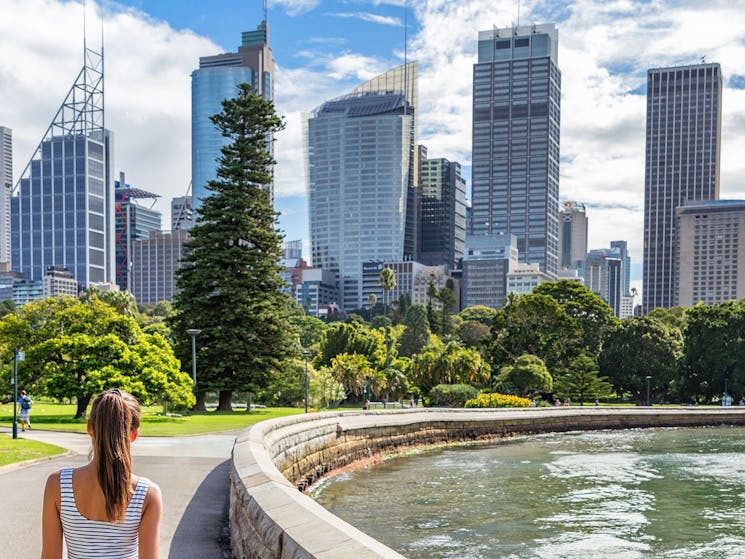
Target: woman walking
[[102, 509]]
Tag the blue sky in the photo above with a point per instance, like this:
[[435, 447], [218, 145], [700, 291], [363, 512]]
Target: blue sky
[[323, 48]]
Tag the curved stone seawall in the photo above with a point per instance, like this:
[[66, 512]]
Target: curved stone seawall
[[270, 518]]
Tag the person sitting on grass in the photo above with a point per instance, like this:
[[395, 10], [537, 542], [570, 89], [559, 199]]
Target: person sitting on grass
[[102, 509]]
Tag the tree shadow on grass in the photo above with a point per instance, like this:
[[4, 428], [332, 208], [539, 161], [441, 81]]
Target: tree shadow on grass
[[203, 532]]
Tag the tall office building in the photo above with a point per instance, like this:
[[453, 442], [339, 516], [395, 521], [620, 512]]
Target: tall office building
[[516, 114], [623, 254], [572, 235], [132, 222], [488, 260], [6, 189], [155, 261], [182, 213], [442, 212], [63, 212], [684, 121], [216, 80], [358, 149], [710, 252], [603, 274]]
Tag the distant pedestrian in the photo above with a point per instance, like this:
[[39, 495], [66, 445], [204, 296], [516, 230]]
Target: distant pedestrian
[[557, 403], [411, 402], [742, 401], [102, 509], [24, 403], [366, 405]]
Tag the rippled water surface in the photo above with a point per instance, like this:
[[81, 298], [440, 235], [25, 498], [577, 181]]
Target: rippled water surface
[[669, 494]]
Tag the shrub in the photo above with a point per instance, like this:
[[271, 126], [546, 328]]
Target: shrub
[[497, 400], [451, 395]]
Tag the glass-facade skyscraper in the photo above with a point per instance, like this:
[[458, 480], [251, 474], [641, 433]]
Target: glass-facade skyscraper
[[358, 151], [442, 212], [6, 189], [61, 214], [516, 117], [684, 124], [216, 80]]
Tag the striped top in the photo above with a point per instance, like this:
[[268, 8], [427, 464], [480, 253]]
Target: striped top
[[94, 539]]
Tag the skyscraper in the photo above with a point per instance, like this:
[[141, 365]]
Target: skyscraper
[[442, 212], [216, 80], [358, 149], [516, 114], [572, 235], [63, 212], [182, 213], [132, 222], [684, 120], [710, 252], [6, 189]]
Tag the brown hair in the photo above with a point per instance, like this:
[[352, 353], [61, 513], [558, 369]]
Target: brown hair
[[114, 416]]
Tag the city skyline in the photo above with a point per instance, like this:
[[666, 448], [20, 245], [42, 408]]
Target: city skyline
[[604, 53]]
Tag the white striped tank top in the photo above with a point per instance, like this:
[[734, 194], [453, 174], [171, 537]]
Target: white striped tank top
[[95, 539]]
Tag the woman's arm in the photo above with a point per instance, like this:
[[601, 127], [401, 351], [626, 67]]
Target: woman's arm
[[152, 510], [51, 525]]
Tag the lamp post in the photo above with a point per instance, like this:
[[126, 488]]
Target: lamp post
[[306, 352], [569, 378], [194, 332], [17, 356], [649, 403]]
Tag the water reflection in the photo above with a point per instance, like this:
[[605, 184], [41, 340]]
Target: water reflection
[[667, 494]]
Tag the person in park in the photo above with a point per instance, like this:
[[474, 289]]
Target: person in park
[[102, 509], [25, 402]]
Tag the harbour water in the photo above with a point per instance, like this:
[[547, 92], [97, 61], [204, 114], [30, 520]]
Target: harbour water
[[662, 493]]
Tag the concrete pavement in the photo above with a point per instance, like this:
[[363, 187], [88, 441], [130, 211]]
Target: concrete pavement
[[192, 473]]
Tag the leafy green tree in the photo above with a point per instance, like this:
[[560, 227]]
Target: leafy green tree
[[583, 381], [309, 328], [122, 302], [527, 375], [446, 297], [714, 350], [230, 285], [440, 363], [674, 317], [77, 348], [325, 391], [479, 313], [416, 333], [355, 373], [535, 324], [473, 333], [7, 307], [639, 347], [388, 282], [593, 316], [432, 316], [341, 337]]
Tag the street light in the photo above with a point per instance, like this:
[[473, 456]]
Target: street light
[[569, 377], [194, 332], [648, 400], [17, 356], [306, 352]]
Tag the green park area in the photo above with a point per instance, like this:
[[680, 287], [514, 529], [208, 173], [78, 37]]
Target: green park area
[[20, 450], [61, 417]]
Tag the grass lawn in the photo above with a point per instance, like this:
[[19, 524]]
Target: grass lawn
[[59, 417], [21, 449]]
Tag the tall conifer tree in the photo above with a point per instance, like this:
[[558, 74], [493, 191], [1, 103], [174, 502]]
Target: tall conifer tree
[[230, 286]]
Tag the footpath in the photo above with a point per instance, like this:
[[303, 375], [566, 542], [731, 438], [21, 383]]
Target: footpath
[[192, 473]]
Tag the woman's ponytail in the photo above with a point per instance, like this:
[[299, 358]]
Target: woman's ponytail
[[114, 416]]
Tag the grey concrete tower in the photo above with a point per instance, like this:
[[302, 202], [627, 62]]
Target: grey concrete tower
[[684, 122], [516, 116]]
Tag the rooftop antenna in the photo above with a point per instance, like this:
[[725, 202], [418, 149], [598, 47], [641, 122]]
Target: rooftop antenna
[[518, 13], [266, 12]]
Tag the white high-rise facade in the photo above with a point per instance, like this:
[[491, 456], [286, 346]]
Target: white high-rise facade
[[6, 188]]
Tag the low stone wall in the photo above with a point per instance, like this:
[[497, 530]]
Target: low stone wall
[[270, 518]]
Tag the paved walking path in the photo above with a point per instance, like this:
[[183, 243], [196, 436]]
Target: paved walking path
[[192, 473]]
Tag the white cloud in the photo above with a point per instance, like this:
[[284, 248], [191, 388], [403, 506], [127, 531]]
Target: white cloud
[[295, 7], [367, 16], [148, 91]]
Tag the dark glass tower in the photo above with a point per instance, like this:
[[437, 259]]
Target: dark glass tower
[[516, 114], [442, 214], [684, 122]]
